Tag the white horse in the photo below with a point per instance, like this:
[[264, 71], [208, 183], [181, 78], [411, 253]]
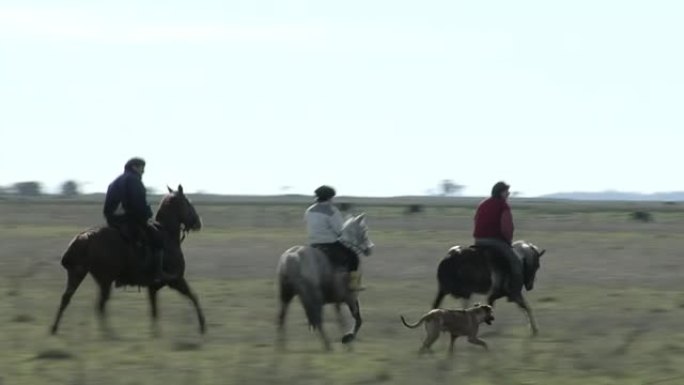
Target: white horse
[[307, 272]]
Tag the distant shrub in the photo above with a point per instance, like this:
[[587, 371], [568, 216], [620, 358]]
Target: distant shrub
[[641, 216], [414, 209]]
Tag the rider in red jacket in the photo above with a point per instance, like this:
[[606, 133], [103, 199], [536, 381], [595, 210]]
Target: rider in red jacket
[[494, 228]]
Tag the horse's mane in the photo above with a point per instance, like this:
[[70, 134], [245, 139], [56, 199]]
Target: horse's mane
[[166, 200], [165, 203], [347, 221], [526, 245]]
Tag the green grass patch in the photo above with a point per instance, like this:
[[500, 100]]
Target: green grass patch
[[588, 335]]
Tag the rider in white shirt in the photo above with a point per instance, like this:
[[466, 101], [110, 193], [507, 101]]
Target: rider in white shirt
[[324, 224]]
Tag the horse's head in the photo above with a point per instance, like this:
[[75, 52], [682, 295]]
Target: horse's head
[[531, 255], [177, 207], [355, 234]]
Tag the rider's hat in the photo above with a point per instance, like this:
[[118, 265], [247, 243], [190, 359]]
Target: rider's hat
[[324, 193]]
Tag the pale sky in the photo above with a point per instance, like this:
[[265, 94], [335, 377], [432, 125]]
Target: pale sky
[[376, 98]]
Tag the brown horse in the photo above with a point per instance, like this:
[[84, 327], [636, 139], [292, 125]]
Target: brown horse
[[108, 257]]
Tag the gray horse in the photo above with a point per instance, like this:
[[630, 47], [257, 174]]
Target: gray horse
[[306, 272]]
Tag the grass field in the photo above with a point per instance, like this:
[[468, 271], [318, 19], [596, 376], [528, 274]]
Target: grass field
[[608, 300]]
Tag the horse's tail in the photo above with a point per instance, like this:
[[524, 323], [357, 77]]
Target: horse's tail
[[447, 270], [451, 266], [415, 325], [76, 251]]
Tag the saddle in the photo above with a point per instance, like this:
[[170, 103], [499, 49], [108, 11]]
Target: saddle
[[479, 255], [336, 257], [483, 249], [139, 261], [492, 255]]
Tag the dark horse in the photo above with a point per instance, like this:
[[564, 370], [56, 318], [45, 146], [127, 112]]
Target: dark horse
[[477, 269], [108, 257]]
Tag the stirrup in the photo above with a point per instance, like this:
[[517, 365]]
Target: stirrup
[[354, 283]]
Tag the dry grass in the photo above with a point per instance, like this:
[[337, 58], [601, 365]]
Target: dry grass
[[608, 302]]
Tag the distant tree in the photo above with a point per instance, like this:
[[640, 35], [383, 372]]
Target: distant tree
[[449, 188], [70, 189], [31, 188]]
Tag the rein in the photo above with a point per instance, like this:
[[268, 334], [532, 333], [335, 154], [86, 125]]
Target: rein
[[355, 248]]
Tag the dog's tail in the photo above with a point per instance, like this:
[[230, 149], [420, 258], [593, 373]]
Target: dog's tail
[[415, 325]]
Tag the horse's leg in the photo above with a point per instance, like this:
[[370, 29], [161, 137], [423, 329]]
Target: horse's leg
[[441, 293], [340, 317], [154, 312], [522, 303], [354, 308], [74, 278], [181, 285], [340, 292], [105, 291], [324, 337], [493, 297], [286, 294]]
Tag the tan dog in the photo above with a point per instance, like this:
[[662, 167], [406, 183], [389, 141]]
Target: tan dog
[[457, 322]]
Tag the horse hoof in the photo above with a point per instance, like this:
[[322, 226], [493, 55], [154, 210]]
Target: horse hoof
[[349, 337]]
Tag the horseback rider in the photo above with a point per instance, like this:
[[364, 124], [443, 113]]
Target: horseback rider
[[494, 228], [126, 209], [324, 226]]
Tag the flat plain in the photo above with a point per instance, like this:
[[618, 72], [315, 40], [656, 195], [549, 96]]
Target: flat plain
[[608, 300]]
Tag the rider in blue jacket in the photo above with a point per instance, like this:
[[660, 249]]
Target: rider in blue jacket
[[126, 209]]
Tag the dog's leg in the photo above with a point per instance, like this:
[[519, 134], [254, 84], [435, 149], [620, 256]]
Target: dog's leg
[[426, 347], [451, 345], [432, 335], [477, 341]]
